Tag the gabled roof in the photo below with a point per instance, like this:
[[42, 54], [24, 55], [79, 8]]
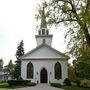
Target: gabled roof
[[44, 51]]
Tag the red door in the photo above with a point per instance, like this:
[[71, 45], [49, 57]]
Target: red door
[[43, 76]]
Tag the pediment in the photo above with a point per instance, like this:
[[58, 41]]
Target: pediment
[[43, 51]]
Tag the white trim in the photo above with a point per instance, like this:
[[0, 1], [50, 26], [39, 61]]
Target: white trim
[[38, 47], [42, 58]]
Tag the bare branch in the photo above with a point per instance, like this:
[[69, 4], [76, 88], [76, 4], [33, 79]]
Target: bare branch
[[56, 1], [67, 20], [77, 3]]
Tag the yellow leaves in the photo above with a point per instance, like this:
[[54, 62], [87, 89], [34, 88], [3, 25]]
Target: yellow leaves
[[87, 17], [65, 7]]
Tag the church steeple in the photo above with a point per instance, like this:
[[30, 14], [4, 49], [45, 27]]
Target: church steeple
[[43, 36], [43, 26], [43, 19]]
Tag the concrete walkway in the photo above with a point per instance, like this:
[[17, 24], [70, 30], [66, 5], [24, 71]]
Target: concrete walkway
[[38, 87]]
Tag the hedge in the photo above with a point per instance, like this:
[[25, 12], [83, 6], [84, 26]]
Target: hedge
[[18, 82], [31, 84], [58, 85], [67, 82]]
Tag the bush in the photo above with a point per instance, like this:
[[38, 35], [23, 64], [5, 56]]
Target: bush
[[77, 81], [58, 85], [67, 82], [18, 82], [85, 83], [31, 84], [21, 78]]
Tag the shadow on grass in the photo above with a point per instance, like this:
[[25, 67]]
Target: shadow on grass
[[74, 88]]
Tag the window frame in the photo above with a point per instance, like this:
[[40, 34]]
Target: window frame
[[58, 71], [30, 70]]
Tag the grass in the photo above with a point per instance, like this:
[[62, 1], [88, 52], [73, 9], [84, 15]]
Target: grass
[[74, 88], [4, 85]]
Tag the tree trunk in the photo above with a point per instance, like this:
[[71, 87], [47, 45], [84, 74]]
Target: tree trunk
[[87, 35]]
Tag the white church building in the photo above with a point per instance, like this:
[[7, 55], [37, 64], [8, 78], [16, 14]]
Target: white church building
[[44, 64]]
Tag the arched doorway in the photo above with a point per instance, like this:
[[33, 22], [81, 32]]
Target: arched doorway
[[43, 76]]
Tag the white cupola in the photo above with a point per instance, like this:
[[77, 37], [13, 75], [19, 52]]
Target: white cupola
[[43, 36]]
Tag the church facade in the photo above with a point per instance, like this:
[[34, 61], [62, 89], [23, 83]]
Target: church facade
[[44, 64]]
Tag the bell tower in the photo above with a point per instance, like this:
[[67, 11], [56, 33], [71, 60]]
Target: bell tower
[[43, 36]]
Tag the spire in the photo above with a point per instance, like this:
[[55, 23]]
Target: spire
[[43, 36], [43, 27], [43, 19]]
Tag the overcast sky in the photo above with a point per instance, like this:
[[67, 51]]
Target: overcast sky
[[17, 22]]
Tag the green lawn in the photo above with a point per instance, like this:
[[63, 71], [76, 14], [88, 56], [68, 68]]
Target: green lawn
[[74, 88], [4, 85]]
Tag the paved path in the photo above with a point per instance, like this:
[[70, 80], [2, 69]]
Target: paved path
[[38, 87]]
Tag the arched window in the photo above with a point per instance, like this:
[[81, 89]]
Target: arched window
[[30, 70], [58, 71], [43, 31]]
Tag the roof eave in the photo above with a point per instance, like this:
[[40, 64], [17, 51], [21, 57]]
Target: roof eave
[[42, 58]]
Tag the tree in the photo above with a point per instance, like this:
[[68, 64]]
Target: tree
[[1, 64], [75, 14], [83, 70], [10, 67], [71, 73], [19, 53], [82, 65]]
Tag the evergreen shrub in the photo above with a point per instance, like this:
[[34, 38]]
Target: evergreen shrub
[[67, 82], [58, 85], [18, 82]]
